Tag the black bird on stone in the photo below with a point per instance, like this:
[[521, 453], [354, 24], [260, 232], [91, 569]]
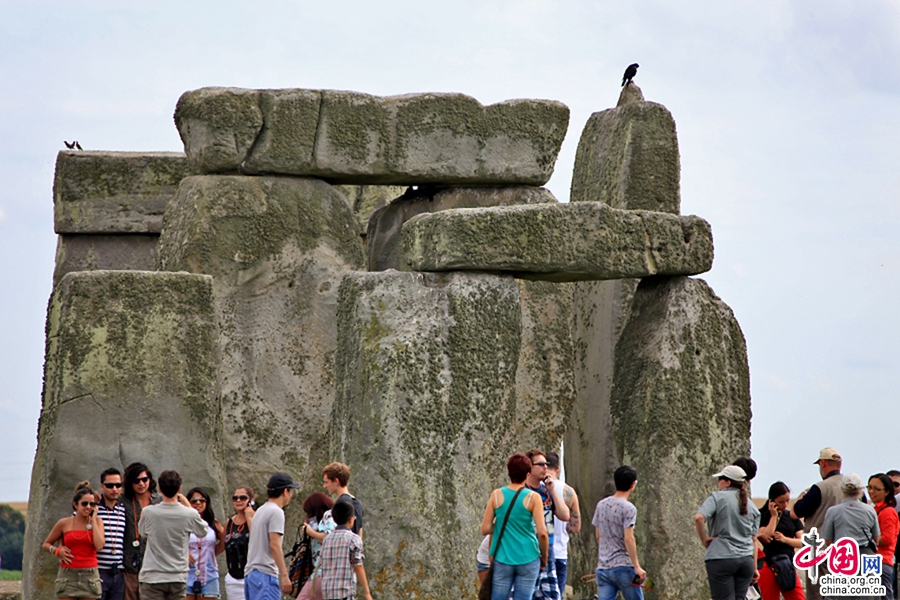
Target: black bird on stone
[[630, 72], [73, 146]]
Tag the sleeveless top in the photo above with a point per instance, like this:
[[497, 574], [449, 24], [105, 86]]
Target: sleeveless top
[[81, 543], [237, 542], [203, 550], [520, 544], [831, 496]]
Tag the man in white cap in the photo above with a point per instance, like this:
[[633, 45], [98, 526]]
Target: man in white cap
[[815, 502]]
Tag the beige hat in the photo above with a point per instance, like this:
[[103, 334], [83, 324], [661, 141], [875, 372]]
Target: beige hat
[[851, 482], [732, 472], [828, 453]]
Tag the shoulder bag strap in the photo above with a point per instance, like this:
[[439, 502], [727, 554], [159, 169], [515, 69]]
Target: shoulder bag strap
[[512, 505]]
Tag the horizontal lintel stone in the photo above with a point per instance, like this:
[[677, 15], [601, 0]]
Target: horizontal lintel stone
[[558, 242], [115, 192], [360, 139]]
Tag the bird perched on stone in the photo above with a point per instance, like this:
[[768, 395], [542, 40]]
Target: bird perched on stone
[[630, 72], [77, 145], [68, 145]]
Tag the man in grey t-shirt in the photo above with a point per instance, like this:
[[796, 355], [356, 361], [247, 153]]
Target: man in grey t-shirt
[[266, 576], [167, 527]]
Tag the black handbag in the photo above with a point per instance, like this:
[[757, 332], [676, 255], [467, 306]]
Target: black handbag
[[783, 569], [484, 593]]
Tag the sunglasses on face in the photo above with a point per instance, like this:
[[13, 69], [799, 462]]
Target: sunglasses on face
[[86, 504], [241, 498], [198, 501], [112, 485], [143, 479]]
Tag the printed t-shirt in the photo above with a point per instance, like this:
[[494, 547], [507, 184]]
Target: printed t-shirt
[[167, 528], [268, 519], [611, 518]]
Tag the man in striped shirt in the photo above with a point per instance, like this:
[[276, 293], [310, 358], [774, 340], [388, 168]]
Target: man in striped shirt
[[109, 558]]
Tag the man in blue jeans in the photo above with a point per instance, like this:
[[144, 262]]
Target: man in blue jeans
[[617, 562], [266, 575]]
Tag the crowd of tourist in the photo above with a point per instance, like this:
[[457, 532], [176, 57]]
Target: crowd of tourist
[[140, 538]]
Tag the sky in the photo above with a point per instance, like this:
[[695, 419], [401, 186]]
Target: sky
[[788, 117]]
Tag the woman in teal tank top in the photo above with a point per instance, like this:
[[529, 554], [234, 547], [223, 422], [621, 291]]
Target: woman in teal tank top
[[524, 547]]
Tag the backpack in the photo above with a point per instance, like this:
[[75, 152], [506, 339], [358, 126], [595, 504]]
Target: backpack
[[301, 566]]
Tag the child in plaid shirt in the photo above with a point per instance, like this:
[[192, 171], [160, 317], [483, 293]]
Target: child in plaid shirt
[[341, 560]]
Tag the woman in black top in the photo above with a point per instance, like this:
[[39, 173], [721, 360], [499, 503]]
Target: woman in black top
[[779, 535], [237, 541]]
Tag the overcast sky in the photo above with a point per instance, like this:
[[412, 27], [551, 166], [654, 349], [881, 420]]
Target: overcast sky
[[788, 117]]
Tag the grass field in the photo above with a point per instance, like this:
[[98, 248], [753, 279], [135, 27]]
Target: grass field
[[10, 575]]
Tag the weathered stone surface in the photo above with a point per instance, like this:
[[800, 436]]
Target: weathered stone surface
[[218, 126], [558, 242], [277, 248], [354, 138], [115, 192], [681, 399], [426, 415], [628, 157], [129, 375], [544, 378], [366, 199], [135, 252], [385, 225]]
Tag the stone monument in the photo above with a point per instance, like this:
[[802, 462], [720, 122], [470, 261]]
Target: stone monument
[[383, 281]]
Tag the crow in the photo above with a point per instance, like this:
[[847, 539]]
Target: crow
[[630, 72], [68, 145], [77, 145]]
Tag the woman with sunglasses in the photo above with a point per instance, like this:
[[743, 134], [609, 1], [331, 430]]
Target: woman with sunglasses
[[81, 535], [140, 492], [881, 491], [203, 574], [237, 541]]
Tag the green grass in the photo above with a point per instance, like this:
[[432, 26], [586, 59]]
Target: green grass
[[10, 575]]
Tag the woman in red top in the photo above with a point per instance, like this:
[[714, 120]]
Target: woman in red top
[[881, 491], [82, 536]]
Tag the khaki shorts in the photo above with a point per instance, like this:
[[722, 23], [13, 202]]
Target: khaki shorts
[[78, 583]]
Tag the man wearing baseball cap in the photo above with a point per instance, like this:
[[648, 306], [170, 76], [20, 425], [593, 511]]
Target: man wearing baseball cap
[[266, 575], [815, 502]]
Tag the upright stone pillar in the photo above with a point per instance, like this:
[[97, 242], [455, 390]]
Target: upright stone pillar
[[130, 375], [277, 248], [545, 378], [681, 398], [628, 158], [426, 416]]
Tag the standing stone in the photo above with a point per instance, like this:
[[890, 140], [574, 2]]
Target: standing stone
[[545, 377], [130, 374], [681, 398], [108, 207], [426, 415], [277, 248], [628, 158]]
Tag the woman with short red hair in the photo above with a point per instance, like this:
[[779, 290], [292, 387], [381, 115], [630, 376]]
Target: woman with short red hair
[[514, 517]]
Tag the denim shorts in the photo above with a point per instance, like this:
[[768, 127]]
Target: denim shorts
[[481, 567], [209, 590]]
